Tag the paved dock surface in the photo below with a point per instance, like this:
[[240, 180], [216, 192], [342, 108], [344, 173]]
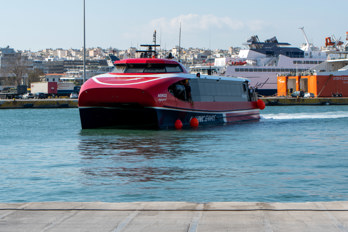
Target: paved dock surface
[[174, 216]]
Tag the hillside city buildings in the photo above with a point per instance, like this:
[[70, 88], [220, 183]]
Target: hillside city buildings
[[24, 67]]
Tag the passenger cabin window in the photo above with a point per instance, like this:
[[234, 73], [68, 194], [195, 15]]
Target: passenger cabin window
[[181, 90], [154, 69], [173, 69], [119, 68], [147, 68]]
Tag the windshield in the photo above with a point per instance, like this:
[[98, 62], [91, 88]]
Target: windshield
[[119, 68], [147, 68]]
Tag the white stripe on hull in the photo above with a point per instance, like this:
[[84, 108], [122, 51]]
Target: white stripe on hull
[[255, 111]]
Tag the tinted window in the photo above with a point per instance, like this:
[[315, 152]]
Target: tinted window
[[154, 68], [173, 68], [147, 68], [119, 68], [135, 68]]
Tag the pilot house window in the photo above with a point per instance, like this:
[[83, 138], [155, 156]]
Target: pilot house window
[[147, 68]]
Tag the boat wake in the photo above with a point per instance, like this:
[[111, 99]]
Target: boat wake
[[318, 115]]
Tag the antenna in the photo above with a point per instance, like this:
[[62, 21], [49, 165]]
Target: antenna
[[154, 39], [149, 53]]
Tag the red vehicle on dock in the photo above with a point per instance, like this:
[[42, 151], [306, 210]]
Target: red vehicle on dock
[[154, 93]]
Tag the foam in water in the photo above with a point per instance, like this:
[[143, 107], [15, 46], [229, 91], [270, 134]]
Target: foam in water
[[317, 115]]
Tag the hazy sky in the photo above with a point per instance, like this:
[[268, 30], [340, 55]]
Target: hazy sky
[[40, 24]]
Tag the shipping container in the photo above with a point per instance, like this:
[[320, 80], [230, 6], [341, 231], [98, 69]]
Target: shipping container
[[65, 88], [49, 88], [318, 85]]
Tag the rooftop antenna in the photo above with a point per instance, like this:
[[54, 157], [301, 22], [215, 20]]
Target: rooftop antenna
[[304, 33], [151, 49], [154, 39]]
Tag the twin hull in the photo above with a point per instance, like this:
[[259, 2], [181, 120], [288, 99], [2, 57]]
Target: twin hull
[[155, 101]]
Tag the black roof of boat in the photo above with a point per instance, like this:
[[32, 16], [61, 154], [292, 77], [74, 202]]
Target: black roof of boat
[[272, 47]]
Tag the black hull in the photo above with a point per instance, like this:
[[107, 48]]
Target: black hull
[[157, 118], [118, 118]]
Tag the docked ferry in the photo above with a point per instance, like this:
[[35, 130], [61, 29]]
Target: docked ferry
[[262, 62], [153, 93], [328, 79]]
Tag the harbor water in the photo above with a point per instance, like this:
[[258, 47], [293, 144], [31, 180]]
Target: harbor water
[[294, 154]]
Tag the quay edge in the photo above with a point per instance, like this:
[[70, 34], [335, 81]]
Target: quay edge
[[288, 101], [73, 103], [174, 216], [38, 103]]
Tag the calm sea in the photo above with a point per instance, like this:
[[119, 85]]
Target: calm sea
[[294, 154]]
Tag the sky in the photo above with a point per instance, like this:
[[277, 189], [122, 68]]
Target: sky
[[214, 24]]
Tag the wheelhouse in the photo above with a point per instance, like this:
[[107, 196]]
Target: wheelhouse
[[149, 65]]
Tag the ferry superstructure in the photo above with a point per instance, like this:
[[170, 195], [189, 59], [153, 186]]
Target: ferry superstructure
[[327, 79], [261, 62]]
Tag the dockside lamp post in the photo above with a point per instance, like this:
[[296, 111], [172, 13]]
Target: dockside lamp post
[[84, 41]]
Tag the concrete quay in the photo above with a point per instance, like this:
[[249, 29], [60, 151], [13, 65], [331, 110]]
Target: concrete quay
[[38, 103], [73, 103], [288, 101], [174, 216]]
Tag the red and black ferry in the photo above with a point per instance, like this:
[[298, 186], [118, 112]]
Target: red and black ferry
[[157, 93]]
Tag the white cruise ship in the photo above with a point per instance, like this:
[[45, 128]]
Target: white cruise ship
[[261, 62]]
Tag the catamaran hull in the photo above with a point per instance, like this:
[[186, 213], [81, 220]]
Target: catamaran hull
[[158, 117]]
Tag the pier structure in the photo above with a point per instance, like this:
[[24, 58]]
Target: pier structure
[[73, 103], [288, 101], [174, 216], [38, 103]]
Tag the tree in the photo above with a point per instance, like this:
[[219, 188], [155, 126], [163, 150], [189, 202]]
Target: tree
[[20, 70], [16, 69], [35, 76]]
